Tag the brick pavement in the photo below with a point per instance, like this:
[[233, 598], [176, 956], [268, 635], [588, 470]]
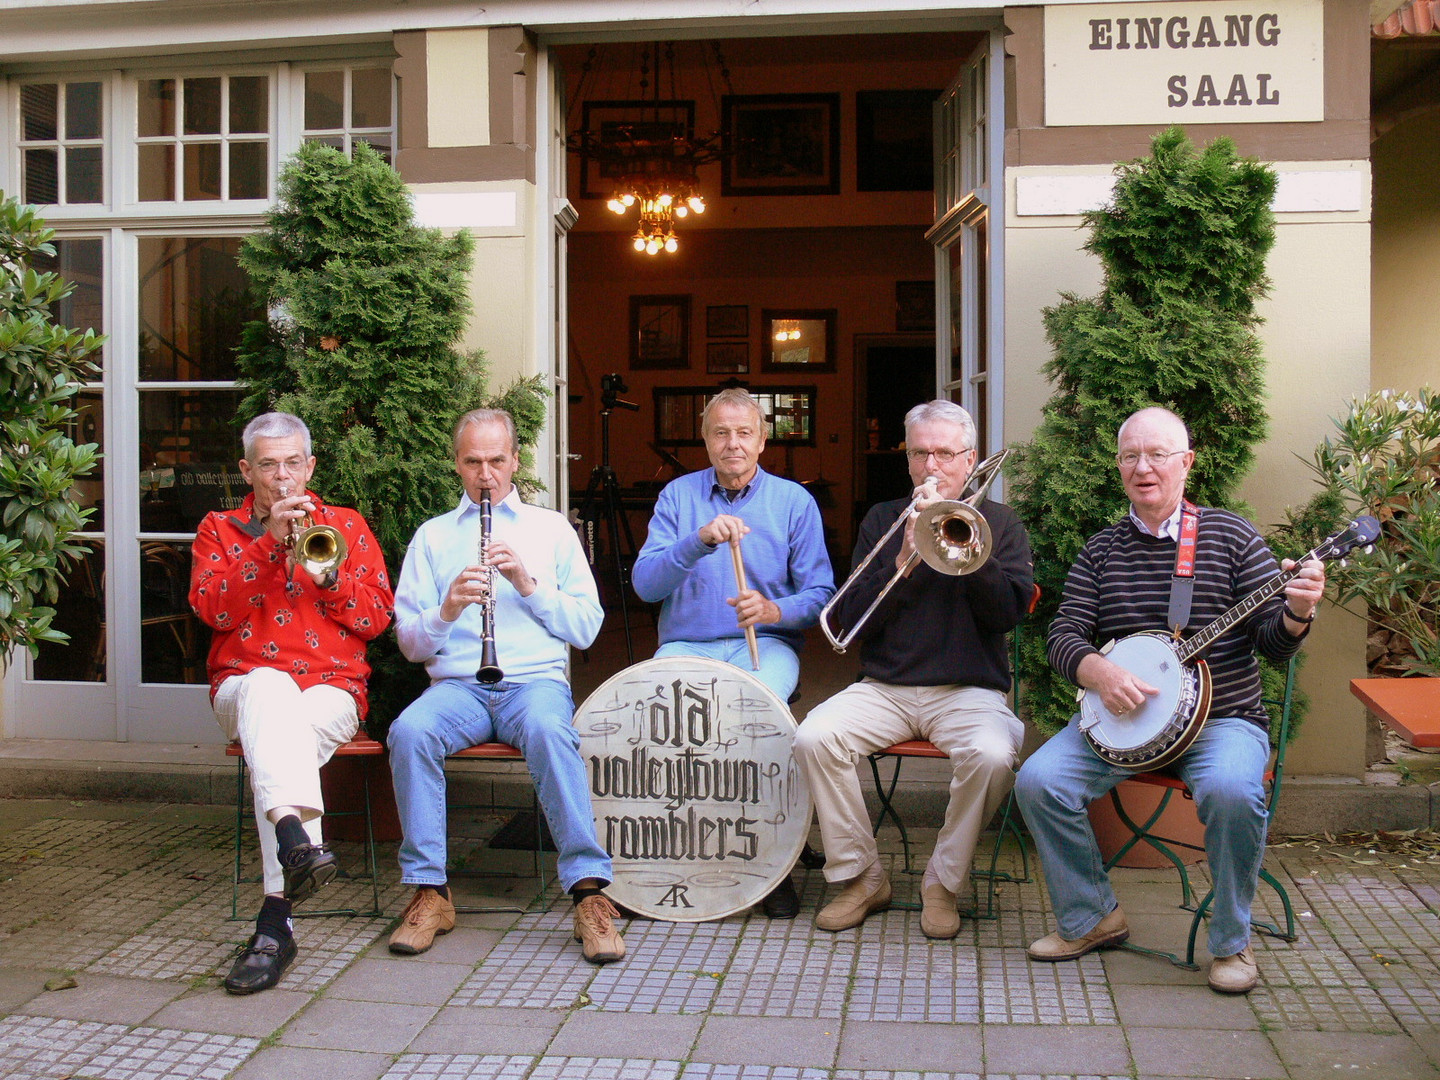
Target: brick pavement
[[133, 901]]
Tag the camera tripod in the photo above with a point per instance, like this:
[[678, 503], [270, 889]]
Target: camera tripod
[[603, 493]]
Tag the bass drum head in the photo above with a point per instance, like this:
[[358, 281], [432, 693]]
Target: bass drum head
[[1150, 658], [696, 793]]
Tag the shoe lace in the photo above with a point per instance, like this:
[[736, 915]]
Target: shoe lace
[[417, 909], [595, 913]]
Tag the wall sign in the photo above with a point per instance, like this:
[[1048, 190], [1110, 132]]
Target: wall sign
[[1187, 63]]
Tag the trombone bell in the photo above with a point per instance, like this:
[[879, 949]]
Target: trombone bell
[[952, 537]]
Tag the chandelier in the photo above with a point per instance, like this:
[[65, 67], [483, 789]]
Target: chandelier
[[647, 152]]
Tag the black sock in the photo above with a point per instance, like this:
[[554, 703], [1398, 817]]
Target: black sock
[[290, 834], [274, 920], [576, 895], [443, 890]]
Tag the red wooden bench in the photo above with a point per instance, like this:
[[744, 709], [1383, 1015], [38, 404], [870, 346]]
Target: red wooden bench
[[1410, 707]]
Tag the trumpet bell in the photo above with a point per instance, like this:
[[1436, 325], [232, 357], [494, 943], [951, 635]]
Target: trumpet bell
[[952, 537], [320, 549]]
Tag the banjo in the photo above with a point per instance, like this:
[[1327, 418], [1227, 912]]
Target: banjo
[[1162, 728]]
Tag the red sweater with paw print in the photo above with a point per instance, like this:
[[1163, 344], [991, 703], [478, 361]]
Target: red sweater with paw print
[[239, 587]]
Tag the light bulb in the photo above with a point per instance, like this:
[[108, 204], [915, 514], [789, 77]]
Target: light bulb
[[652, 246], [628, 199], [665, 199], [639, 242], [681, 211], [616, 205], [697, 204], [671, 244]]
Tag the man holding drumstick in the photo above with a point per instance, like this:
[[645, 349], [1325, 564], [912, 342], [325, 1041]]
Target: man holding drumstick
[[705, 612]]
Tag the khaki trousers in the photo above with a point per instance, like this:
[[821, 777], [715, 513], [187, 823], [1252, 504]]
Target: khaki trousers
[[287, 734], [973, 726]]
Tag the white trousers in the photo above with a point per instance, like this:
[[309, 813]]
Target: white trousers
[[972, 725], [287, 734]]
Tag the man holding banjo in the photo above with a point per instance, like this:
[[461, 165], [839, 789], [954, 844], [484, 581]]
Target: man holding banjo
[[1167, 564], [534, 582], [773, 593]]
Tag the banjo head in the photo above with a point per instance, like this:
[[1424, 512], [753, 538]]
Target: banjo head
[[695, 792], [1151, 659]]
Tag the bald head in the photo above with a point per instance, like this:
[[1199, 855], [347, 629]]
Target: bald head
[[1157, 419]]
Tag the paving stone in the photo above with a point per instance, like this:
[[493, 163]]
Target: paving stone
[[786, 967], [215, 1010], [1021, 1048], [1312, 1054], [477, 1030], [593, 1068], [1219, 1055], [704, 1070], [528, 969], [459, 1067], [372, 1027], [1018, 990], [293, 1061], [923, 1046], [19, 985], [103, 998], [464, 945], [40, 1048], [765, 1040], [600, 1034], [1183, 1007], [167, 1054], [399, 980]]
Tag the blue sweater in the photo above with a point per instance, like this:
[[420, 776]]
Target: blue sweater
[[784, 554]]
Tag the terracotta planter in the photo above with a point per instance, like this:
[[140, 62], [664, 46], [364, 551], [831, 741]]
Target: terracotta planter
[[342, 784], [1178, 822]]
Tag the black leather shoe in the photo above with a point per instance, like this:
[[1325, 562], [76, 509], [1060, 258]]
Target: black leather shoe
[[811, 859], [307, 867], [783, 901], [261, 963]]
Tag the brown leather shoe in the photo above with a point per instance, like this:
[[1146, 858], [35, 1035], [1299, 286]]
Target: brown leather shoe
[[600, 942], [939, 917], [868, 893], [1236, 974], [428, 914], [1111, 930]]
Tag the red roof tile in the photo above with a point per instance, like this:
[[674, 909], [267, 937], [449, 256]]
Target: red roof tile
[[1417, 18]]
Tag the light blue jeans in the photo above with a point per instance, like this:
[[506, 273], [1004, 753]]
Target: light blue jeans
[[1224, 769], [779, 665], [537, 717]]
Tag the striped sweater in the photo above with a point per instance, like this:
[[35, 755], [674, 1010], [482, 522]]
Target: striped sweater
[[1120, 585]]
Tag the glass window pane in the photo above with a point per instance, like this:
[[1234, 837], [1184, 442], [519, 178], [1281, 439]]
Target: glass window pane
[[189, 445], [84, 174], [79, 261], [173, 642], [249, 103], [381, 143], [370, 97], [202, 106], [324, 100], [194, 301], [337, 141], [202, 171], [39, 104], [156, 107], [42, 180], [82, 110], [79, 612], [157, 173], [249, 170]]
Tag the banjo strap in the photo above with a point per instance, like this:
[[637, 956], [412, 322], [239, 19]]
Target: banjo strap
[[1182, 583]]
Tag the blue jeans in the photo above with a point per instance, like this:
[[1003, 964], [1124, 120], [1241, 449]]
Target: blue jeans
[[534, 716], [1225, 771], [779, 664]]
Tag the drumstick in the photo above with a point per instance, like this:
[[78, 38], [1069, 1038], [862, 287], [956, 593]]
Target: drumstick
[[750, 638]]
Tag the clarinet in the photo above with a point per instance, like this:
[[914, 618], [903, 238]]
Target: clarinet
[[489, 667]]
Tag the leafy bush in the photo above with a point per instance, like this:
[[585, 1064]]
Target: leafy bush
[[42, 367]]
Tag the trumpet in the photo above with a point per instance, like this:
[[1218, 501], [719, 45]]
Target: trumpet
[[316, 549], [489, 671], [951, 536]]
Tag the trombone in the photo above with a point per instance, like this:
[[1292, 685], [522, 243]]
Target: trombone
[[951, 536]]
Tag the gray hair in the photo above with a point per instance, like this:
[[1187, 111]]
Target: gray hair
[[477, 417], [1156, 410], [274, 425], [942, 411], [732, 395]]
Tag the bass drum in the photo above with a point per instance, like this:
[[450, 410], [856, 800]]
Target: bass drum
[[696, 794]]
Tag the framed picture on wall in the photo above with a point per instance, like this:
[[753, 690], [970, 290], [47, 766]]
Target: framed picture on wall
[[659, 332], [894, 140], [782, 144], [727, 357], [798, 339], [617, 131], [727, 320], [914, 306]]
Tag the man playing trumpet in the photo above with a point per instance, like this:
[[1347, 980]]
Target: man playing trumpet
[[686, 562], [287, 664], [933, 666], [544, 598]]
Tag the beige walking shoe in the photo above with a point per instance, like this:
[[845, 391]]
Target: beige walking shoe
[[939, 917], [1111, 930], [427, 914], [870, 892], [1236, 974], [600, 942]]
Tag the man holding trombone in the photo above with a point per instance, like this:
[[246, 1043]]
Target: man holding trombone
[[786, 572], [950, 585], [536, 585], [293, 589]]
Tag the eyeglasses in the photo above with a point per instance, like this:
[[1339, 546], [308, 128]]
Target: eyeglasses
[[943, 455], [269, 467], [1156, 458]]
